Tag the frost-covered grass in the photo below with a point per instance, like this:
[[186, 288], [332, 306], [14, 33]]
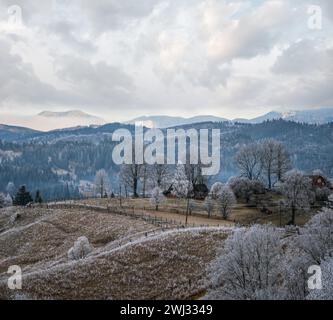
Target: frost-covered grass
[[130, 258], [41, 235]]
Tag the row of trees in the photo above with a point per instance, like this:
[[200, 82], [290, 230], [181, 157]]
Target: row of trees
[[296, 188], [21, 198], [147, 177], [267, 160]]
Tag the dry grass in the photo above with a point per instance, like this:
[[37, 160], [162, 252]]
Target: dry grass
[[242, 214], [41, 235], [169, 265]]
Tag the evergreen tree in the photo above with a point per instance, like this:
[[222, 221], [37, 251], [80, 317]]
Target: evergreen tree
[[22, 197], [38, 197]]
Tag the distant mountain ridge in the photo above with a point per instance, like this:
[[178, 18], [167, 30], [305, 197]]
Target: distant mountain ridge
[[50, 120], [316, 116], [47, 121], [70, 113], [168, 121]]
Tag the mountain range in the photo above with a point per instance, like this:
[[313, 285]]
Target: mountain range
[[316, 116], [57, 160], [50, 121]]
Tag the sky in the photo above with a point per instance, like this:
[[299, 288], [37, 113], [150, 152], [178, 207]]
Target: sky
[[124, 59]]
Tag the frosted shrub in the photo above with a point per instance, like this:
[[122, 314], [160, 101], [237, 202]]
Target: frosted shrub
[[316, 238], [244, 188], [8, 201], [80, 249], [15, 216], [249, 265], [224, 198], [157, 197]]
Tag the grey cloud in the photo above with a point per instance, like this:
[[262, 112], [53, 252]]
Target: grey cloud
[[96, 84], [303, 57], [190, 67], [19, 83]]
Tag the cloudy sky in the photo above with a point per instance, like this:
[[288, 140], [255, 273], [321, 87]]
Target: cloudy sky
[[120, 59]]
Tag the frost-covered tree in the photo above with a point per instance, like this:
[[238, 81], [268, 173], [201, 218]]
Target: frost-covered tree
[[80, 250], [102, 182], [249, 265], [316, 237], [248, 160], [157, 197], [8, 201], [209, 205], [182, 188], [224, 198], [11, 189], [312, 246], [215, 190], [326, 293], [296, 189]]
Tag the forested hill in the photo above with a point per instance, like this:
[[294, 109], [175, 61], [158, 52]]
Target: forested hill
[[51, 161]]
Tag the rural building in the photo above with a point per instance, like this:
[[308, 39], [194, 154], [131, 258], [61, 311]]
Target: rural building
[[319, 181]]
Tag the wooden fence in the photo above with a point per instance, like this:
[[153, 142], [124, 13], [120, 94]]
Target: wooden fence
[[163, 223]]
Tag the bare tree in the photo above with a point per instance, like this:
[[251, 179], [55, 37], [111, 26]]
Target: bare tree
[[248, 160], [282, 162], [275, 160], [268, 158], [159, 176], [143, 177], [209, 205], [194, 174], [130, 175], [102, 182], [296, 189], [224, 198]]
